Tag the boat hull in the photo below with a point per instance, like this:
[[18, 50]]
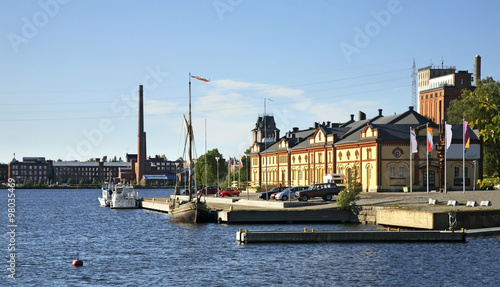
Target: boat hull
[[103, 201], [123, 203], [189, 212]]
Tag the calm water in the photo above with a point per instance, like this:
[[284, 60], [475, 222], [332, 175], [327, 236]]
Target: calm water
[[142, 248]]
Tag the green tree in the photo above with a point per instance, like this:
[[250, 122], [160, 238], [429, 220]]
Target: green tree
[[70, 181], [481, 108], [211, 168], [348, 197], [28, 183]]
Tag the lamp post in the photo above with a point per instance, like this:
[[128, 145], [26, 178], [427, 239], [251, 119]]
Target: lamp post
[[474, 183], [217, 159], [289, 175]]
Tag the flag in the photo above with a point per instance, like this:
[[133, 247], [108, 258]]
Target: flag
[[201, 79], [466, 135], [448, 134], [413, 142], [430, 143], [241, 163], [229, 162]]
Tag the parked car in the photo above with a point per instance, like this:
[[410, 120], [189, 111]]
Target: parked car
[[273, 196], [289, 193], [267, 194], [230, 191], [210, 190], [323, 190]]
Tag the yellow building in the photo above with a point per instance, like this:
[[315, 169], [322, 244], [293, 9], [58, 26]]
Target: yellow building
[[377, 148]]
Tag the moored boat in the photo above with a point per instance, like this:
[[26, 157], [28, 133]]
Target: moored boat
[[105, 198], [193, 210], [123, 196]]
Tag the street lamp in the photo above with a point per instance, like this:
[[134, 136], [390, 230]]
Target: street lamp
[[289, 175], [474, 183], [217, 159]]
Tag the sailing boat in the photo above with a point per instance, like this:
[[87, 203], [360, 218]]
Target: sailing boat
[[193, 210]]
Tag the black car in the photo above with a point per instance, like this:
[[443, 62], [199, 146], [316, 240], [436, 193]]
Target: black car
[[323, 190], [267, 194]]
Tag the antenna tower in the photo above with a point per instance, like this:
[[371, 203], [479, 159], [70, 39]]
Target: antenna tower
[[413, 86]]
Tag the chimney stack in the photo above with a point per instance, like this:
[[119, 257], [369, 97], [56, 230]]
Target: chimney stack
[[141, 141], [477, 69], [361, 116]]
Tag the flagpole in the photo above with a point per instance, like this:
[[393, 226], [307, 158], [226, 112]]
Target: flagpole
[[445, 148], [427, 157], [411, 165], [463, 155]]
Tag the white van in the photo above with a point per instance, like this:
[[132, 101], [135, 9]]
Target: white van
[[338, 178]]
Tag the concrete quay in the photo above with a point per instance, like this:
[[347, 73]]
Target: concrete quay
[[395, 209], [348, 236]]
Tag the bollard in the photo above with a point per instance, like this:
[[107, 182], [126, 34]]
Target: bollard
[[230, 208], [312, 230], [153, 199], [246, 230], [305, 229], [389, 228], [399, 230]]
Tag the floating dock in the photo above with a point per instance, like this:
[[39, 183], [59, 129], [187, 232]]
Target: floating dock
[[313, 236]]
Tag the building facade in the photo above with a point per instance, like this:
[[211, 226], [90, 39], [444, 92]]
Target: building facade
[[38, 169], [376, 149], [438, 86]]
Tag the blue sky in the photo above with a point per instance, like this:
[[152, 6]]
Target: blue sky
[[70, 70]]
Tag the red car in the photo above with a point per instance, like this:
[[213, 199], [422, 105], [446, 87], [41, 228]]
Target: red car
[[209, 190], [230, 191]]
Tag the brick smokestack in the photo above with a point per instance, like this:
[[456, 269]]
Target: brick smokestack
[[141, 141], [477, 69]]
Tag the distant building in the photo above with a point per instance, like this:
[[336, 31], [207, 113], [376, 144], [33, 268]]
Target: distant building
[[97, 170], [377, 148], [438, 86], [34, 169], [4, 172], [37, 169]]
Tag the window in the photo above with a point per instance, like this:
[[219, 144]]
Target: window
[[369, 153], [401, 172], [466, 172], [392, 172], [456, 172]]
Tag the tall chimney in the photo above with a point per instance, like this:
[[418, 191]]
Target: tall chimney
[[141, 141], [477, 69]]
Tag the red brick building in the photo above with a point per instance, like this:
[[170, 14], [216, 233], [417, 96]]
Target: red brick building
[[435, 100]]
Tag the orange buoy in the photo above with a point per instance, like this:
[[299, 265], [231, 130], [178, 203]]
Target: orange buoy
[[77, 263]]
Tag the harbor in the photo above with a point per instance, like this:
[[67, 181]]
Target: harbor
[[412, 217]]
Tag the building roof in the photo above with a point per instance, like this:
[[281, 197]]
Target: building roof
[[391, 128]]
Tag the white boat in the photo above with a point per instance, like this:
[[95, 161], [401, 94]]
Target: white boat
[[123, 196], [105, 198]]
